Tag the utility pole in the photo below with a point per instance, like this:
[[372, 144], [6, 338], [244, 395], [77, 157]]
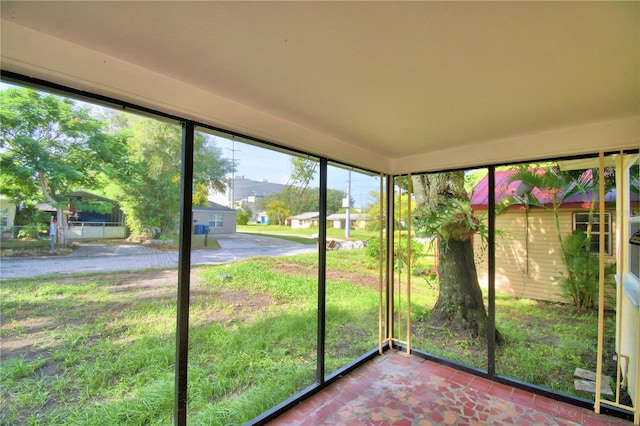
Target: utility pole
[[233, 171], [347, 231]]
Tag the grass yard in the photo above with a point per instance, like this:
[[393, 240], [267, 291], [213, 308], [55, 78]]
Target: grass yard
[[355, 234], [31, 247], [100, 349]]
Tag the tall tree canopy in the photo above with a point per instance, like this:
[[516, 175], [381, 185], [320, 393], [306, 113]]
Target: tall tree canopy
[[51, 146], [309, 201], [151, 199], [443, 211]]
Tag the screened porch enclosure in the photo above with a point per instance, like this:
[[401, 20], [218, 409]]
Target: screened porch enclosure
[[312, 322], [311, 190]]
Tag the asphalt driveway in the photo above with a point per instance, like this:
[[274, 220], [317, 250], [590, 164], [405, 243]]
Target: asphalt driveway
[[95, 257]]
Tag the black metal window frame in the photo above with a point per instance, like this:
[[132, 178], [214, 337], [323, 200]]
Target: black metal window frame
[[189, 127]]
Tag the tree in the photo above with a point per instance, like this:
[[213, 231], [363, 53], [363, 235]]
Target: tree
[[309, 201], [302, 172], [150, 199], [51, 146], [400, 206], [277, 212], [244, 214], [443, 211]]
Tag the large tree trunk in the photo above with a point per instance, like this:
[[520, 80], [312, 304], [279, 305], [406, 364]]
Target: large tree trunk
[[62, 227], [460, 304], [460, 298]]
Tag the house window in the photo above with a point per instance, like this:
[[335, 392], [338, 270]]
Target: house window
[[4, 217], [216, 221], [581, 224]]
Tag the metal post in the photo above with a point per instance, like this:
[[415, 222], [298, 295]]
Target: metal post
[[184, 269], [409, 264], [347, 231], [491, 241], [600, 350], [389, 252], [381, 319], [322, 272]]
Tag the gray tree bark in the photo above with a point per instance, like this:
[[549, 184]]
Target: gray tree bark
[[460, 303]]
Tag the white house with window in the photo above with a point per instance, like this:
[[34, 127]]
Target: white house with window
[[304, 220], [215, 218]]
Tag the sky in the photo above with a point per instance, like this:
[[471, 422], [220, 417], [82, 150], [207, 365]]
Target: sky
[[257, 163]]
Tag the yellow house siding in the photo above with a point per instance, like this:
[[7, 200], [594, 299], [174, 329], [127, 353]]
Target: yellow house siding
[[528, 261], [11, 210]]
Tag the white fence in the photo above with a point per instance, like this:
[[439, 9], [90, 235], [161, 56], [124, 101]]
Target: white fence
[[95, 230]]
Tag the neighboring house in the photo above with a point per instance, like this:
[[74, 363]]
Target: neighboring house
[[304, 220], [219, 219], [90, 216], [7, 216], [528, 252], [262, 218], [339, 220]]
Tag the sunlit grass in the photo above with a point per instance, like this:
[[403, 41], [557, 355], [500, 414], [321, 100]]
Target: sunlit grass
[[354, 234], [103, 346]]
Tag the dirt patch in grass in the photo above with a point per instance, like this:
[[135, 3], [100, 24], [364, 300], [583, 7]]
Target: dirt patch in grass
[[27, 332], [364, 280]]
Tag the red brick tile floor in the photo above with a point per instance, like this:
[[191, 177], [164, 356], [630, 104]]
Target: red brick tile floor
[[401, 389]]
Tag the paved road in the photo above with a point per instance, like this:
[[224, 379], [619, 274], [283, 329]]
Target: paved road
[[91, 257]]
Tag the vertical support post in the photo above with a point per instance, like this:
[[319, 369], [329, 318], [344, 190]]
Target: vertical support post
[[389, 250], [409, 264], [491, 241], [380, 265], [398, 282], [184, 269], [347, 229], [622, 237], [322, 272], [601, 202]]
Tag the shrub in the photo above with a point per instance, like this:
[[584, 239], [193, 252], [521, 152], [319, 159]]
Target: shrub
[[32, 231], [581, 284], [400, 251]]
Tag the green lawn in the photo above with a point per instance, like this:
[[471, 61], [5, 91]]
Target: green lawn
[[100, 349], [355, 234]]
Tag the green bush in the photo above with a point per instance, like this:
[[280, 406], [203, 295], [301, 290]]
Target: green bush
[[581, 283], [32, 231], [400, 251]]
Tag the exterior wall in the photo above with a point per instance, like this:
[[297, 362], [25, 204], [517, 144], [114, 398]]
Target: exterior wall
[[94, 231], [201, 217], [534, 276], [629, 343], [11, 210], [303, 223], [342, 224]]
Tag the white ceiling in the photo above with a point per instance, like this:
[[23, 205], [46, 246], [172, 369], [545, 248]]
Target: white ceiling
[[392, 86]]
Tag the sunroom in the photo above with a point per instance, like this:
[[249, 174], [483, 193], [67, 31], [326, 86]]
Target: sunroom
[[381, 100]]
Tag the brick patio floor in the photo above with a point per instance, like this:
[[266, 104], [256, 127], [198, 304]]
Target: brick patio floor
[[400, 389]]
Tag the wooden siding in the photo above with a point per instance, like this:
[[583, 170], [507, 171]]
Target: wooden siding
[[528, 262]]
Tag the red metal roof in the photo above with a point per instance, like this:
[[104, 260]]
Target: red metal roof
[[505, 187]]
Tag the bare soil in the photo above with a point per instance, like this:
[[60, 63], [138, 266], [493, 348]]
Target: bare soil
[[27, 332]]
